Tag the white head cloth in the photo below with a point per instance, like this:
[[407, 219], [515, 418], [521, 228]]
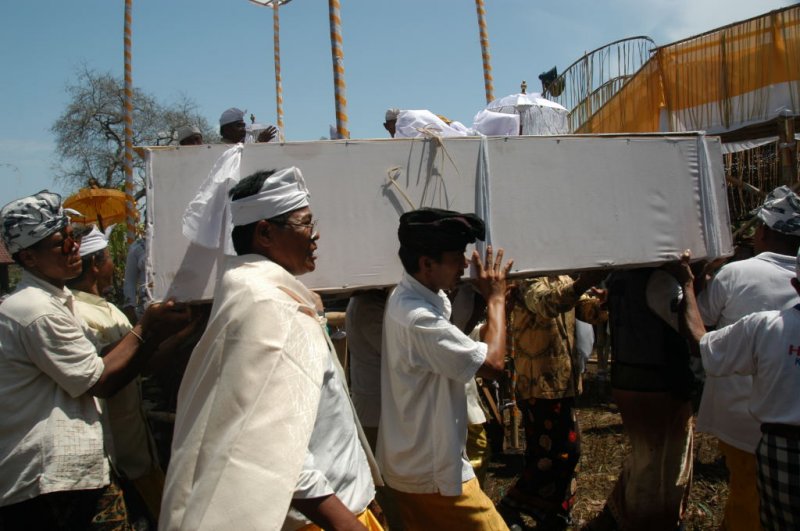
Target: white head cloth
[[781, 211], [230, 116], [416, 123], [282, 192], [185, 131], [94, 241], [391, 114], [209, 217], [31, 219]]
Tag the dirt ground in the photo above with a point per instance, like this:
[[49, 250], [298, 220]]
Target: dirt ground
[[604, 446]]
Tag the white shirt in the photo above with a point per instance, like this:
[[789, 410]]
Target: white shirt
[[740, 288], [51, 435], [134, 287], [426, 363], [767, 346], [261, 414], [132, 450], [364, 325]]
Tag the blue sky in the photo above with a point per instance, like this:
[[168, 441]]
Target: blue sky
[[406, 54]]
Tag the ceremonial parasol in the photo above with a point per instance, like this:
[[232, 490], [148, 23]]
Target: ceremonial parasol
[[538, 115], [104, 206]]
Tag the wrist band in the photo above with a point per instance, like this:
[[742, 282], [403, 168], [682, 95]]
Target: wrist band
[[140, 338]]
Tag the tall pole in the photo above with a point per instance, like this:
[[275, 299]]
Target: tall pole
[[130, 207], [338, 69], [276, 47], [487, 59]]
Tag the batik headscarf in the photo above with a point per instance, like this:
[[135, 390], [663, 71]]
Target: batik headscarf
[[781, 211], [29, 220]]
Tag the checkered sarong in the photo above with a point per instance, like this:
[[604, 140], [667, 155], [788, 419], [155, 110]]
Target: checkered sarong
[[779, 481]]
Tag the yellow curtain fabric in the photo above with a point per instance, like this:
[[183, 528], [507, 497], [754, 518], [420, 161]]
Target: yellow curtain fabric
[[735, 76]]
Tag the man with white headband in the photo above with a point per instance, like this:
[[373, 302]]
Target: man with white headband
[[54, 470], [266, 436], [133, 452]]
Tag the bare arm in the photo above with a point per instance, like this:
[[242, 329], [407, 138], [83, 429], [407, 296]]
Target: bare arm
[[328, 512], [690, 323], [491, 283]]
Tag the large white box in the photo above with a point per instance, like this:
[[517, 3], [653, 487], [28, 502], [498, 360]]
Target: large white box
[[557, 203]]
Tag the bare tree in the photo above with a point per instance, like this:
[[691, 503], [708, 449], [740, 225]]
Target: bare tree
[[90, 138]]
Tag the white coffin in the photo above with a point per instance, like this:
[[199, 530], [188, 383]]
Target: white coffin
[[557, 203]]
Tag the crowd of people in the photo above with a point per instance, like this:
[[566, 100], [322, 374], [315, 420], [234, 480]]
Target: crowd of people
[[271, 433]]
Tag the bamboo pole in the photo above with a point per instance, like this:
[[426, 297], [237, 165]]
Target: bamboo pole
[[130, 206], [276, 46], [487, 58], [338, 69]]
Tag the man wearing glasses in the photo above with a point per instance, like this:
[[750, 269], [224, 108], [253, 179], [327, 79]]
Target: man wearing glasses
[[54, 470], [265, 435]]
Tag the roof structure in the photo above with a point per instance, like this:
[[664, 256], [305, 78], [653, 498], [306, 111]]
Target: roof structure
[[728, 79], [5, 258]]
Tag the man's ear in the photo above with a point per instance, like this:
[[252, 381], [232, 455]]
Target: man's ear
[[425, 263], [262, 236]]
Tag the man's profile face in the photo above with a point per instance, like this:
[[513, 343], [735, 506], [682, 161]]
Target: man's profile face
[[105, 273], [295, 242], [447, 272], [234, 131], [390, 126]]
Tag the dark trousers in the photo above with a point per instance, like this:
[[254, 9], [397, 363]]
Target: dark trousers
[[552, 453], [96, 509]]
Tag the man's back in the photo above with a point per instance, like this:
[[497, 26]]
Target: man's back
[[740, 288]]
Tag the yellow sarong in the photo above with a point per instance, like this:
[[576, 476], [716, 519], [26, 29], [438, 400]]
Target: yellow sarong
[[473, 510], [366, 518]]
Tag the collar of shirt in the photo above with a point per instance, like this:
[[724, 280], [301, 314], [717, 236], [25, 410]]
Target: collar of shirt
[[439, 300], [63, 295], [781, 260], [277, 274]]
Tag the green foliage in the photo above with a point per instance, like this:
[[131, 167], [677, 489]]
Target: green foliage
[[118, 248]]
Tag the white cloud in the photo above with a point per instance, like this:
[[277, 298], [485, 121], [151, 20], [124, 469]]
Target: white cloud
[[672, 20]]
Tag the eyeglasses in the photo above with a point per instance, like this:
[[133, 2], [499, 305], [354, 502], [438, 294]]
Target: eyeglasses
[[69, 241], [303, 226]]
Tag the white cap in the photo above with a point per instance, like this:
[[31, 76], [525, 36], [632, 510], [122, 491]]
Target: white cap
[[93, 242], [230, 116], [391, 114], [185, 131]]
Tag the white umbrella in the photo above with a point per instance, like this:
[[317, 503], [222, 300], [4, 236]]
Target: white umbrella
[[538, 115]]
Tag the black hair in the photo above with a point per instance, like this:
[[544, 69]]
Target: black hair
[[242, 235], [410, 258]]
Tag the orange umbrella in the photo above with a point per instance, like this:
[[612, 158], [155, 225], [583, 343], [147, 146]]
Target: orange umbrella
[[105, 206]]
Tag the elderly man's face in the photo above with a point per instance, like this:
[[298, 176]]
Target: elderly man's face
[[295, 242], [192, 140], [391, 127], [105, 273], [235, 131], [55, 258]]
